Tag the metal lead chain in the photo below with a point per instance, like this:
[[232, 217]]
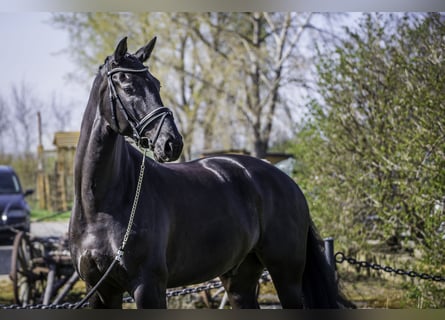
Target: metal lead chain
[[120, 252]]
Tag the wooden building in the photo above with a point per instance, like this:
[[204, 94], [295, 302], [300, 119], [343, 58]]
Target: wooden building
[[55, 178]]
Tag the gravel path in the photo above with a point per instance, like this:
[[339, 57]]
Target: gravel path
[[49, 229]]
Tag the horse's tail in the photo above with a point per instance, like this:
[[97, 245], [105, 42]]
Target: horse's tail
[[320, 289]]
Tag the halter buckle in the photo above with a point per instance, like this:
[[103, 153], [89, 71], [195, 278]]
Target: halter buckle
[[145, 143]]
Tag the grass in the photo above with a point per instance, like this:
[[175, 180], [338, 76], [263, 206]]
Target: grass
[[365, 292], [374, 292], [45, 215], [6, 292]]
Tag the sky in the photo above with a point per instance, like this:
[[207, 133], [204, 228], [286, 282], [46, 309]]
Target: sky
[[32, 52]]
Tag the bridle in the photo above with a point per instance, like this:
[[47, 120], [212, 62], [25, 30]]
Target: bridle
[[138, 126]]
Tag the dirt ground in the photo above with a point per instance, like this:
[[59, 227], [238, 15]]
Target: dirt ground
[[364, 292]]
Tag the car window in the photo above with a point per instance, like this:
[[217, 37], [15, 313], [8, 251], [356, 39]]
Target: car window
[[9, 183]]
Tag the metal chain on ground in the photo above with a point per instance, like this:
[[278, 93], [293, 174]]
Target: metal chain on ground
[[214, 284], [340, 258], [65, 305], [185, 291]]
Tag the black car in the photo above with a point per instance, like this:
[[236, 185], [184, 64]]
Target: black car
[[14, 211]]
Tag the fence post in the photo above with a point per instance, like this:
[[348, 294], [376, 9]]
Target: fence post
[[329, 253]]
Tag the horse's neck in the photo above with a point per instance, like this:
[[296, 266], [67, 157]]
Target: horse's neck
[[101, 160], [106, 153]]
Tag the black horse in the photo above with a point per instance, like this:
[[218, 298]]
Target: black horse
[[225, 216]]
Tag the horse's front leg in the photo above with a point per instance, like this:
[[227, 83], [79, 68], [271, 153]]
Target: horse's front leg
[[150, 294], [107, 298]]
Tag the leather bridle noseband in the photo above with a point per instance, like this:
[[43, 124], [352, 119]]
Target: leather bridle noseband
[[138, 126]]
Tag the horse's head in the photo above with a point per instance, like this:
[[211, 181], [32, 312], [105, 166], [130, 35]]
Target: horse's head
[[134, 107]]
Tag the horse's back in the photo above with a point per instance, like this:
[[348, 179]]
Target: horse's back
[[277, 196], [267, 179]]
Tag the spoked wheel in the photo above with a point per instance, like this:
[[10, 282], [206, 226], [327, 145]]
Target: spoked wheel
[[27, 276]]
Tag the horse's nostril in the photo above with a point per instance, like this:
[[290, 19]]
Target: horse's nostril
[[172, 148], [169, 147]]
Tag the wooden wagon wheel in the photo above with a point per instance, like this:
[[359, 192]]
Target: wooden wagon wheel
[[27, 275]]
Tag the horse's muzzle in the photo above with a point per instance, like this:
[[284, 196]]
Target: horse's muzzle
[[173, 149], [168, 150]]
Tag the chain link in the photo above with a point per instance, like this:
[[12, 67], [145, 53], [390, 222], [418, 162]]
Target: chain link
[[182, 292], [214, 284], [65, 305], [136, 200], [340, 258]]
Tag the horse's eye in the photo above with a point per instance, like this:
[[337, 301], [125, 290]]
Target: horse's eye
[[128, 89], [123, 77]]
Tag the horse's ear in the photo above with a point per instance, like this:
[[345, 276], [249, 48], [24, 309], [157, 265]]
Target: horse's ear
[[121, 49], [144, 53]]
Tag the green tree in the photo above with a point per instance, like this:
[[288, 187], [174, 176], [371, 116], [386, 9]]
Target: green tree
[[372, 153], [223, 73], [259, 52]]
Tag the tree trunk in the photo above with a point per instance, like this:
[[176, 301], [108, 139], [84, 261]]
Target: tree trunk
[[259, 148]]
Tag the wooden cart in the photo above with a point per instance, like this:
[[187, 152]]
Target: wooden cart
[[41, 270]]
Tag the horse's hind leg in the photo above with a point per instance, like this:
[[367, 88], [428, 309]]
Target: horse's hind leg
[[241, 284], [288, 283], [284, 256], [286, 269]]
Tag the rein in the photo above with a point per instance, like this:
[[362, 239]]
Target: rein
[[138, 126]]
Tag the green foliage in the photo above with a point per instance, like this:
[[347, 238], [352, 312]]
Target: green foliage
[[45, 215], [224, 74], [373, 148]]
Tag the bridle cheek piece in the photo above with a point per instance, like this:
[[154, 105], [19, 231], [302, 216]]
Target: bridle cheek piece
[[138, 126]]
